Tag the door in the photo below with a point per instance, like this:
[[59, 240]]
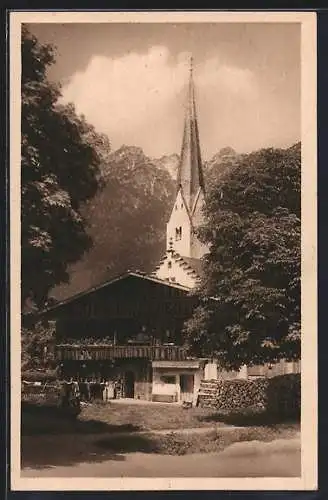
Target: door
[[129, 385], [186, 387]]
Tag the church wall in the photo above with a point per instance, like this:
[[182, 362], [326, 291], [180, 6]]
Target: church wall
[[179, 219], [170, 269], [197, 248]]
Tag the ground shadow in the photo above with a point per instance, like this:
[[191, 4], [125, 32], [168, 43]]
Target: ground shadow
[[50, 438], [55, 454], [128, 444], [249, 419], [41, 452], [50, 420]]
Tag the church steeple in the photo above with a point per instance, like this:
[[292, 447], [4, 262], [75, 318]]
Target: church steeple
[[190, 174], [187, 211], [181, 263]]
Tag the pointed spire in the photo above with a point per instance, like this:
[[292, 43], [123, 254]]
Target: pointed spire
[[190, 173]]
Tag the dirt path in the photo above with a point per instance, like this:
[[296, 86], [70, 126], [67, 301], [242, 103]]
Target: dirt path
[[279, 458], [186, 431]]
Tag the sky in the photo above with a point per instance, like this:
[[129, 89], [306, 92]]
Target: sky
[[129, 80]]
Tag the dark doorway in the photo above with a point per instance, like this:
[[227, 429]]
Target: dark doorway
[[129, 385], [186, 387]]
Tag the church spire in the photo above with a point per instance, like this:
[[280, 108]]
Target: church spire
[[187, 211], [190, 174]]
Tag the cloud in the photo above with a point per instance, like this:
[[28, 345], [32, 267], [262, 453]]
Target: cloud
[[228, 79], [137, 99]]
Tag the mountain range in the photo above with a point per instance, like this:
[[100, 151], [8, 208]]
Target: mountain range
[[127, 217]]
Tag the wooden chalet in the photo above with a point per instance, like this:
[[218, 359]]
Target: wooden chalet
[[129, 330]]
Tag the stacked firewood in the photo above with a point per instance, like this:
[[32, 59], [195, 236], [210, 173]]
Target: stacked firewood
[[208, 393], [232, 395]]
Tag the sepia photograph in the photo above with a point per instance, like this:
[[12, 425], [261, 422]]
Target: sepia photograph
[[163, 250]]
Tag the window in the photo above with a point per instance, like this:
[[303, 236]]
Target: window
[[168, 379], [178, 233]]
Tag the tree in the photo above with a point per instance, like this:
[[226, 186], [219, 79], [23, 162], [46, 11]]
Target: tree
[[59, 172], [37, 347], [250, 291]]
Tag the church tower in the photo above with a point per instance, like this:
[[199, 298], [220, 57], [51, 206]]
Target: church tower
[[186, 213], [182, 244]]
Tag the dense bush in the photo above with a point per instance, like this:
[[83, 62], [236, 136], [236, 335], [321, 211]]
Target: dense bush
[[284, 395], [38, 355], [40, 376], [175, 444], [41, 398], [44, 394]]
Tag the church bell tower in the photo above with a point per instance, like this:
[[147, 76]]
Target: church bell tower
[[186, 215], [183, 248]]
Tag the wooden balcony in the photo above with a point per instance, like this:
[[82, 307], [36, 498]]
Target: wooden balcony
[[111, 352]]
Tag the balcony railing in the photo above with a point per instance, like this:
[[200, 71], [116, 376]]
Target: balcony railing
[[110, 352]]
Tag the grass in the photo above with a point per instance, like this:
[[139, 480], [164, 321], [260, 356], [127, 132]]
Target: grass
[[171, 417], [48, 451], [149, 416], [112, 417], [126, 417], [49, 438], [176, 443]]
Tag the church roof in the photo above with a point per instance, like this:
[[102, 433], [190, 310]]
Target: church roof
[[190, 174], [191, 264], [195, 264]]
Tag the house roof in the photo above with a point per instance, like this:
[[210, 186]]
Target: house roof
[[129, 274]]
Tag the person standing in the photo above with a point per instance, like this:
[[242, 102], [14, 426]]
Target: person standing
[[106, 391], [64, 394]]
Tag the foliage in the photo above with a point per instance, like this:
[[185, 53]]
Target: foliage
[[87, 341], [284, 396], [175, 444], [219, 165], [250, 311], [37, 352], [59, 171], [40, 375]]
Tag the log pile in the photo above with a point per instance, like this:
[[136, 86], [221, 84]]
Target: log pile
[[233, 395], [208, 393]]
